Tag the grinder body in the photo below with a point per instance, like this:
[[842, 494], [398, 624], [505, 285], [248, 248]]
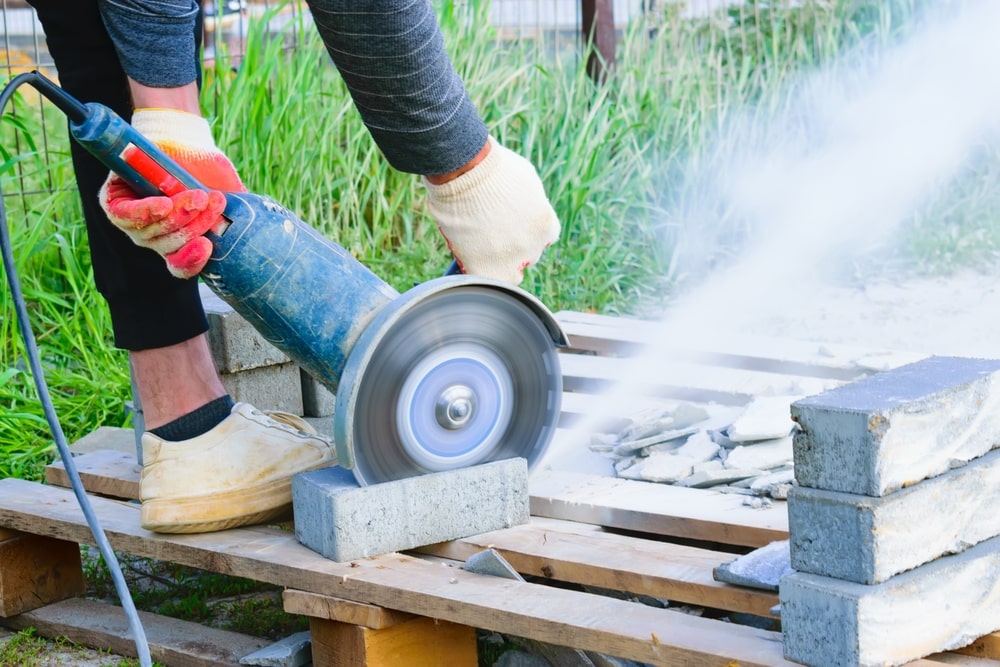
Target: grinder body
[[457, 371]]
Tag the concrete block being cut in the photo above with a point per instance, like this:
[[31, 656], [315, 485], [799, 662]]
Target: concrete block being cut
[[945, 604], [895, 428], [343, 521], [868, 540]]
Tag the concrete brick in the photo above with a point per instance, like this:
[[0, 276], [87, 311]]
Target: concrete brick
[[235, 344], [277, 387], [343, 521], [317, 400], [945, 604], [868, 540], [293, 651], [895, 428]]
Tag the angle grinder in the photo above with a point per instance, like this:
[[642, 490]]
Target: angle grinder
[[454, 372]]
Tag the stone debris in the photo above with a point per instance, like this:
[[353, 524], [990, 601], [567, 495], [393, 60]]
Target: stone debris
[[765, 418], [746, 450], [761, 568]]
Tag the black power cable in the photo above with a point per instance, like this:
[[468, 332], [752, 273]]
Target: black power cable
[[135, 625]]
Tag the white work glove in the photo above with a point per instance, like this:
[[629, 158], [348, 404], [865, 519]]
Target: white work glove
[[174, 226], [496, 217]]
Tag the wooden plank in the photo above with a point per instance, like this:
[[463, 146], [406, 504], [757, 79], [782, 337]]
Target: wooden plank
[[105, 472], [987, 646], [419, 642], [344, 611], [552, 549], [939, 659], [37, 570], [549, 614], [603, 334], [645, 507], [660, 509], [671, 378], [171, 641]]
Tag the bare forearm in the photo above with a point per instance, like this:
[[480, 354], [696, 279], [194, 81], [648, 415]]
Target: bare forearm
[[181, 98]]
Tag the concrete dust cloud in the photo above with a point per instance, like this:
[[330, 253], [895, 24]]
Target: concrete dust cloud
[[834, 171]]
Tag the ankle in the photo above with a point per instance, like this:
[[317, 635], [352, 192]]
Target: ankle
[[197, 422]]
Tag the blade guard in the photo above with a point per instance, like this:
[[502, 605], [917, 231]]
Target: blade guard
[[376, 330]]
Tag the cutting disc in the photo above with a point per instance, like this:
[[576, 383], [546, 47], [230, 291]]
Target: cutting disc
[[450, 378]]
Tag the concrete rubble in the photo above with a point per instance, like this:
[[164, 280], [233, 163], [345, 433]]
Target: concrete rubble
[[744, 450]]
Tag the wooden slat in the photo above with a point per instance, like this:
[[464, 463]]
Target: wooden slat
[[344, 611], [104, 472], [552, 549], [987, 646], [682, 380], [396, 581], [604, 334], [939, 659], [646, 507], [660, 509]]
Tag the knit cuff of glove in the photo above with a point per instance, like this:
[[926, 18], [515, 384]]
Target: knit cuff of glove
[[483, 186], [172, 129], [496, 217]]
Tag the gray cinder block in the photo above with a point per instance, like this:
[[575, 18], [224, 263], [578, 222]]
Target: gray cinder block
[[317, 399], [868, 540], [343, 521], [235, 344], [277, 387], [895, 428], [293, 651], [945, 604]]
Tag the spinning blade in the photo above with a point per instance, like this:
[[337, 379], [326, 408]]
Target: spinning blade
[[465, 376]]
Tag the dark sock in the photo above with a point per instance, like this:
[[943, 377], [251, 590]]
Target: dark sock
[[193, 424]]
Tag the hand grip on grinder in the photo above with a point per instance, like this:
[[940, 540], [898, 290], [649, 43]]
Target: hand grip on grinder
[[105, 135]]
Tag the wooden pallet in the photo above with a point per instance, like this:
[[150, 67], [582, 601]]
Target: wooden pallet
[[588, 535]]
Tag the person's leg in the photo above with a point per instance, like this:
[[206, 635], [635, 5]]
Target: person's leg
[[157, 317], [208, 464]]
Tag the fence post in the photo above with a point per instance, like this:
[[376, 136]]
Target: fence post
[[598, 24]]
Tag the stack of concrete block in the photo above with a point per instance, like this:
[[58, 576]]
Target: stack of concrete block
[[894, 524], [254, 371]]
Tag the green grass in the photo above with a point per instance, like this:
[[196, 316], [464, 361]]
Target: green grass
[[27, 649], [615, 160], [192, 594]]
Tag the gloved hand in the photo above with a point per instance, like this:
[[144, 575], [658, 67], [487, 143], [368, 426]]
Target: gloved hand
[[174, 226], [495, 217]]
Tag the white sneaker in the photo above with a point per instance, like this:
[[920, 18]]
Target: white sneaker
[[237, 474]]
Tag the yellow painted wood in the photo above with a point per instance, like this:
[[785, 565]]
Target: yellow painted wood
[[420, 642]]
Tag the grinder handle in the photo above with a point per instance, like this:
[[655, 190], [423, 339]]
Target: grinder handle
[[106, 136], [138, 161]]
